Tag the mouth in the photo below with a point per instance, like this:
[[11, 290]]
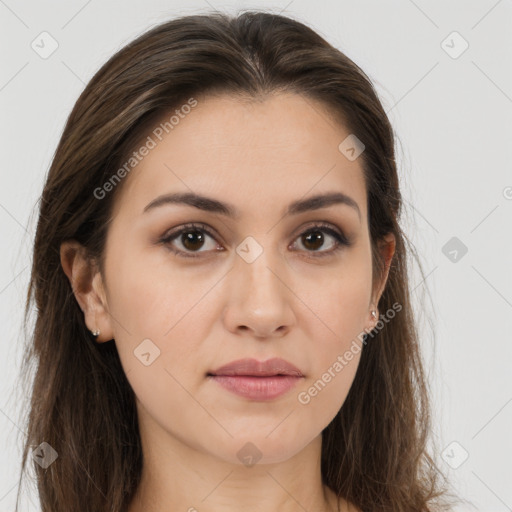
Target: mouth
[[257, 380], [257, 387], [254, 368]]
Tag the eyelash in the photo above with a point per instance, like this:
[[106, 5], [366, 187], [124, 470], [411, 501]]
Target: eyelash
[[340, 239]]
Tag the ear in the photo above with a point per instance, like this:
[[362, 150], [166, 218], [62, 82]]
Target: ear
[[88, 288], [386, 246]]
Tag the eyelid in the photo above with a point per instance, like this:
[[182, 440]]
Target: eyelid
[[171, 234], [322, 225], [341, 239]]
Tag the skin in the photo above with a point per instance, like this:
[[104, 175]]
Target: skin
[[207, 311]]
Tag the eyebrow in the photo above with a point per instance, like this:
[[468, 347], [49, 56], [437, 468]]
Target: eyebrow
[[209, 204]]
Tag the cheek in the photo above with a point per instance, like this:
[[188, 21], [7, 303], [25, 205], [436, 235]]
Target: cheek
[[336, 331], [161, 320], [323, 395], [150, 295], [336, 304], [335, 322], [166, 310], [163, 339]]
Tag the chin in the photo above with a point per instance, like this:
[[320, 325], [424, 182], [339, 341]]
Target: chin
[[261, 448]]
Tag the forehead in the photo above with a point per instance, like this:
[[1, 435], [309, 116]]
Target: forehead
[[257, 153]]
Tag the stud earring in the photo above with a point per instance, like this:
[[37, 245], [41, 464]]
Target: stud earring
[[96, 332], [374, 314]]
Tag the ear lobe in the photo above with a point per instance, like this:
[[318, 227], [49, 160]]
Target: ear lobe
[[86, 283]]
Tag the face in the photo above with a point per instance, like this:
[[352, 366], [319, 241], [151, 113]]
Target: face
[[247, 280]]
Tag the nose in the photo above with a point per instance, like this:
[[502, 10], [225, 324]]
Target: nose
[[260, 300]]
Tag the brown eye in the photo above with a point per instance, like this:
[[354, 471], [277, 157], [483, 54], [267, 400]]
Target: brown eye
[[189, 239], [192, 240], [314, 239]]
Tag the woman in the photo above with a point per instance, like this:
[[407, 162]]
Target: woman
[[223, 313]]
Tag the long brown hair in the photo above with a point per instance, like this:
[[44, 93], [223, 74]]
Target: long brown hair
[[374, 452]]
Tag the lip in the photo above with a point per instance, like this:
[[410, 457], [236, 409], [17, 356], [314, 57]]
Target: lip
[[265, 380], [254, 368]]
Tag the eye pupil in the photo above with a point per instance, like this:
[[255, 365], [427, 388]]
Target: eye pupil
[[313, 237], [191, 238]]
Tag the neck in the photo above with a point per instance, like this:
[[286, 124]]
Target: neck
[[177, 476]]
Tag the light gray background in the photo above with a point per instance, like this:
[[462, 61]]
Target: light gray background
[[453, 119]]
